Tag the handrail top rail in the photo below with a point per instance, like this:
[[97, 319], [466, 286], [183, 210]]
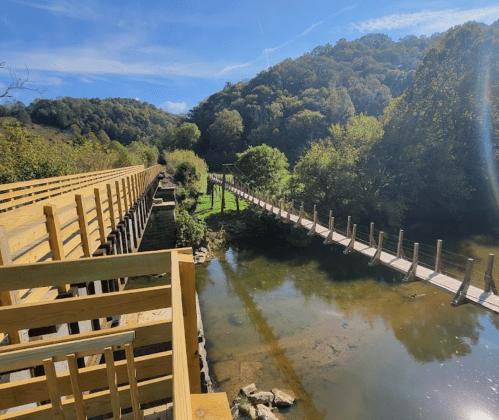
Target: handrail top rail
[[47, 181], [52, 273]]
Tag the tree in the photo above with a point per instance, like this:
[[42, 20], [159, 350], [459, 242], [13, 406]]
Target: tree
[[187, 168], [183, 137], [267, 167], [225, 136], [19, 83]]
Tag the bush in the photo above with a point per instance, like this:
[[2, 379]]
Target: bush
[[191, 230], [187, 168]]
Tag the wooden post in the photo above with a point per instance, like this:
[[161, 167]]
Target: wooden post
[[377, 254], [132, 379], [411, 273], [55, 238], [279, 212], [298, 222], [118, 199], [400, 248], [349, 234], [188, 287], [488, 279], [123, 184], [76, 387], [237, 203], [223, 190], [55, 398], [351, 246], [372, 242], [113, 383], [293, 207], [460, 296], [82, 221], [129, 189], [329, 239], [111, 206], [438, 257], [100, 215], [8, 297], [314, 224], [212, 195]]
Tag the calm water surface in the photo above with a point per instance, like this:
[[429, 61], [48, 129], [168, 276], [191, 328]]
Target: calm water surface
[[351, 342]]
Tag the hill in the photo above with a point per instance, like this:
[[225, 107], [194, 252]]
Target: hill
[[294, 102]]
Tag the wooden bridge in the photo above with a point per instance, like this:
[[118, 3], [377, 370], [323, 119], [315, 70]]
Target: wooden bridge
[[75, 344], [462, 289]]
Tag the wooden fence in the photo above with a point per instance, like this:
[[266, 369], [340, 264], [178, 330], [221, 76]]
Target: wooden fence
[[146, 373]]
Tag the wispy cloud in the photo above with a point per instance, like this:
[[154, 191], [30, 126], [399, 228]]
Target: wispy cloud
[[175, 107], [428, 20], [82, 9]]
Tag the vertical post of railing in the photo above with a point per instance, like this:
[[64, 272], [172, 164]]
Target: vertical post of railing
[[55, 238], [100, 215], [377, 255], [438, 257], [223, 189], [400, 248], [188, 285], [351, 246], [82, 221], [181, 388], [8, 297], [329, 238], [349, 234], [293, 207], [302, 211], [460, 296], [411, 273], [314, 223], [372, 242], [488, 279]]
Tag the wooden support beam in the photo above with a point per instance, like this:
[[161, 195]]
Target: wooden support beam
[[188, 285], [411, 273], [293, 207], [372, 242], [100, 215], [76, 387], [83, 223], [314, 223], [460, 296], [223, 190], [288, 214], [55, 238], [400, 247], [349, 232], [279, 212], [377, 254], [113, 383], [488, 278], [438, 257], [131, 201], [125, 198], [55, 398]]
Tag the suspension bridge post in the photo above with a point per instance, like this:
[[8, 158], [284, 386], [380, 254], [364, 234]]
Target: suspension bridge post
[[460, 296], [400, 249], [411, 273], [438, 257], [212, 194], [372, 242], [377, 254], [489, 281], [223, 189], [350, 248], [349, 234], [329, 239]]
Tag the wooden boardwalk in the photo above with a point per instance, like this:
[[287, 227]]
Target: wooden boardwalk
[[462, 290]]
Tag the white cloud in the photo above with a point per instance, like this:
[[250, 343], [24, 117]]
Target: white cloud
[[429, 21], [85, 79], [175, 107], [84, 10]]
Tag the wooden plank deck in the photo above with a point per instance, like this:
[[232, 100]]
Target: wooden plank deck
[[444, 282]]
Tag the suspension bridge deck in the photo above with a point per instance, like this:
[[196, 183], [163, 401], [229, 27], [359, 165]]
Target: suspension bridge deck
[[462, 290]]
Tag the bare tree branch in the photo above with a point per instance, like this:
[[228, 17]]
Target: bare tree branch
[[18, 83]]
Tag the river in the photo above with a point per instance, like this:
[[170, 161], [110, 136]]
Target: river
[[352, 342]]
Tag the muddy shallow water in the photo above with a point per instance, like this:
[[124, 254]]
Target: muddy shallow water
[[352, 342]]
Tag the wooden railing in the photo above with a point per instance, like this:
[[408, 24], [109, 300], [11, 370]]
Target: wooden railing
[[75, 223], [20, 193], [92, 391]]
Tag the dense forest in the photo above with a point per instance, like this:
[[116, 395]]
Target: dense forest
[[374, 128]]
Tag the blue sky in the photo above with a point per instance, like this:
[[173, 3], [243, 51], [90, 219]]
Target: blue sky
[[174, 54]]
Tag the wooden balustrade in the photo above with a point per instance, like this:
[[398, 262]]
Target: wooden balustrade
[[118, 384]]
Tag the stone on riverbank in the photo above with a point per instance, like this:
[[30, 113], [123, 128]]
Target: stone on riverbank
[[265, 398], [247, 390], [264, 413], [283, 399]]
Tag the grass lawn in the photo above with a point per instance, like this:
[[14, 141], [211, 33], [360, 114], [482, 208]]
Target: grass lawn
[[213, 216]]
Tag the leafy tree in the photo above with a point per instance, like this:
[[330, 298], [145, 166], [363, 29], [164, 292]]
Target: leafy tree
[[184, 137], [191, 229], [266, 167], [225, 136]]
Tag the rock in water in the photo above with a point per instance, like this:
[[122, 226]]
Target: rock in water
[[261, 398], [264, 413], [282, 399], [248, 410], [247, 390]]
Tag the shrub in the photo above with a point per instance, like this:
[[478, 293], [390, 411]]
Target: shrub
[[188, 168], [190, 229]]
